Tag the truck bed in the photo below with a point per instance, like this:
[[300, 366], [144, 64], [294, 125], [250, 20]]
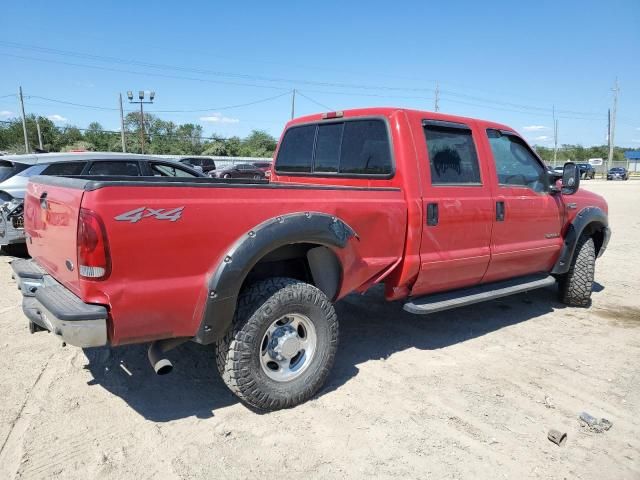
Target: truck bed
[[161, 262]]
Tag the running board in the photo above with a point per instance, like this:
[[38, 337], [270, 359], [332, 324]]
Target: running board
[[438, 302]]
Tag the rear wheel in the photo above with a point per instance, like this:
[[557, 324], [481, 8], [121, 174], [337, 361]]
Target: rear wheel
[[281, 346], [576, 285]]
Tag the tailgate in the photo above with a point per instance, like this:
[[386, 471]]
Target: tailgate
[[51, 212]]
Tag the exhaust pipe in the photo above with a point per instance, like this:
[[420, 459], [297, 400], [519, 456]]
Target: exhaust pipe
[[162, 365]]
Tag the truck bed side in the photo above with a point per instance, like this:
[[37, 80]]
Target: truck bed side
[[161, 264]]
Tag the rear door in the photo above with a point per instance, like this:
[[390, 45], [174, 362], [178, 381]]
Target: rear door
[[457, 207], [526, 233]]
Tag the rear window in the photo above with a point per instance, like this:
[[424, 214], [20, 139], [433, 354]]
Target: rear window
[[352, 147], [9, 169], [67, 168], [111, 168]]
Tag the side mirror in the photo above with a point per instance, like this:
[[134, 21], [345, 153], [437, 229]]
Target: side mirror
[[570, 178]]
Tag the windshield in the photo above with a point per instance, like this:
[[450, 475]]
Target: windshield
[[9, 169], [617, 169]]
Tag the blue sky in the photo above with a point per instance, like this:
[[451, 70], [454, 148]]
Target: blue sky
[[509, 62]]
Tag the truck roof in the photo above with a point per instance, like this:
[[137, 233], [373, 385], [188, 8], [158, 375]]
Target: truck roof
[[388, 111]]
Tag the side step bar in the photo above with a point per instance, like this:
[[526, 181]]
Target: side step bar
[[459, 298]]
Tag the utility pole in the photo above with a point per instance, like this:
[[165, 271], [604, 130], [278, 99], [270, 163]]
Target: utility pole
[[612, 125], [293, 103], [24, 122], [436, 107], [141, 101], [124, 145], [555, 137], [39, 133]]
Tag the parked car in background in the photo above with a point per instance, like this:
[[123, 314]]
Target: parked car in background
[[92, 164], [203, 164], [240, 170], [264, 166], [618, 173], [587, 171]]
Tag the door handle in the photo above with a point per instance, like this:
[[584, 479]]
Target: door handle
[[500, 211], [432, 214]]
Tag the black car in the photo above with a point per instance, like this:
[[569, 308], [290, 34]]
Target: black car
[[587, 171], [240, 170], [205, 164], [618, 173]]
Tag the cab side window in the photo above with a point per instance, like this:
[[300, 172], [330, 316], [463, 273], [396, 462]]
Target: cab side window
[[452, 154], [516, 165]]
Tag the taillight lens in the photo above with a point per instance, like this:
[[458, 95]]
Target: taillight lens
[[94, 259]]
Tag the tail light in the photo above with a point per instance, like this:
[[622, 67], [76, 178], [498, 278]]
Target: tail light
[[94, 258]]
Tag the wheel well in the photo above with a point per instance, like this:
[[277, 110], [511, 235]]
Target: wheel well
[[596, 231], [309, 262]]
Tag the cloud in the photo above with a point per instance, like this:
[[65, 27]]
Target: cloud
[[534, 128], [57, 118], [6, 114], [218, 118], [542, 138]]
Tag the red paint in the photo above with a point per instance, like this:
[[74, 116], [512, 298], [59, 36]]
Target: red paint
[[159, 269]]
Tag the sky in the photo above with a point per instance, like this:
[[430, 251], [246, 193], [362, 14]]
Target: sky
[[231, 66]]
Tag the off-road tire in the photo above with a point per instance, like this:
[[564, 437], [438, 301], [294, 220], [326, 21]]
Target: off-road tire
[[577, 283], [238, 352]]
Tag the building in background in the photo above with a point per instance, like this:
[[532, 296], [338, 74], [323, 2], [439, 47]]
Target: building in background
[[633, 160]]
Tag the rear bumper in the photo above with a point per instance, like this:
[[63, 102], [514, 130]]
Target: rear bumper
[[51, 306]]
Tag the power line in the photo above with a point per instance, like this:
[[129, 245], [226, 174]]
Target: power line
[[121, 61], [314, 101], [226, 107]]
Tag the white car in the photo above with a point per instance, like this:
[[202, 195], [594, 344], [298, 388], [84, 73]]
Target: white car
[[17, 169]]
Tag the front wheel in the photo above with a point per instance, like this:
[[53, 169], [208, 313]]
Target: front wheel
[[576, 285], [281, 346]]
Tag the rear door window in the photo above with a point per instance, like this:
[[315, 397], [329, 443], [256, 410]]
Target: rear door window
[[352, 147], [64, 168], [114, 168], [452, 154]]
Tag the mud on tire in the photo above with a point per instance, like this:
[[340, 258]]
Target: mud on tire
[[576, 285], [239, 351]]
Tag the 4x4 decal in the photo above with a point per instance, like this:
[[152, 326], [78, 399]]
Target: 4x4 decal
[[138, 214]]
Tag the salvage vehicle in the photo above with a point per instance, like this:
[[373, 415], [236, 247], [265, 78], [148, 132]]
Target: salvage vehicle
[[89, 164], [445, 211]]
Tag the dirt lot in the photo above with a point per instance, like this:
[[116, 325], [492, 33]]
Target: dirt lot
[[469, 393]]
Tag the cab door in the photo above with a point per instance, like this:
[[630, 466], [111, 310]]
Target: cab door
[[457, 207], [526, 232]]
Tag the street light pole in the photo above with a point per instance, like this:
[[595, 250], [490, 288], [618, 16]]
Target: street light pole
[[141, 101]]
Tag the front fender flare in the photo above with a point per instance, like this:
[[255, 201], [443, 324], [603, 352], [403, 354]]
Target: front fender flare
[[224, 285], [588, 218]]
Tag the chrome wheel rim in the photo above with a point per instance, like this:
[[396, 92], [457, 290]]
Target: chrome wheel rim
[[288, 347]]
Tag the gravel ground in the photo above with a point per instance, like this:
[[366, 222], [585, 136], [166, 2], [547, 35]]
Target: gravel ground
[[469, 393]]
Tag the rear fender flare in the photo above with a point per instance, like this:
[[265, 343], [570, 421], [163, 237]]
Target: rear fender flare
[[589, 219], [224, 285]]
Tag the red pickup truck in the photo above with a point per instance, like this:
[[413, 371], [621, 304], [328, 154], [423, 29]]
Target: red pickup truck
[[445, 211]]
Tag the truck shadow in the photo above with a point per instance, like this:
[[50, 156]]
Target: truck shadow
[[370, 328]]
